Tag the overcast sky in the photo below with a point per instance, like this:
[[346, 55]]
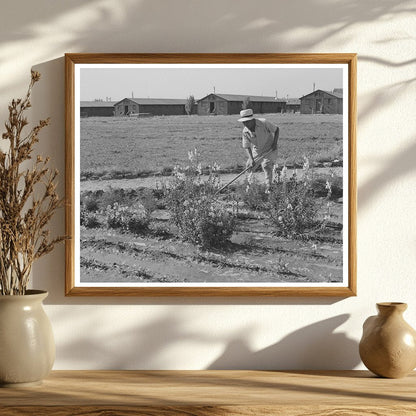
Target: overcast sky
[[119, 83]]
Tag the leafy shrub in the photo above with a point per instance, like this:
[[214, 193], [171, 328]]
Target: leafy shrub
[[89, 219], [204, 223], [293, 210], [126, 197], [191, 202], [134, 219], [91, 204], [293, 207], [252, 194], [118, 196]]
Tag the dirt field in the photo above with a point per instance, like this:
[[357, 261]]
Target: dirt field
[[113, 147], [254, 254]]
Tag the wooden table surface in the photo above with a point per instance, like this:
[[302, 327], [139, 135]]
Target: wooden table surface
[[203, 393]]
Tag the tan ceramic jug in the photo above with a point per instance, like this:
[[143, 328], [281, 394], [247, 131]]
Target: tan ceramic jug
[[27, 347], [388, 344]]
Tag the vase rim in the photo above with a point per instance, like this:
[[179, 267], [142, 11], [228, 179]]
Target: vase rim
[[401, 306], [31, 293]]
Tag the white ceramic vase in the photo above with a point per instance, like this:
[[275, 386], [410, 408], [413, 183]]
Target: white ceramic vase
[[27, 347]]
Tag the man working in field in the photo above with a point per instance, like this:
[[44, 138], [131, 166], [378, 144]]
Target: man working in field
[[260, 139]]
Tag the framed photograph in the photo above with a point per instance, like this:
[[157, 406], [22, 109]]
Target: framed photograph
[[211, 174]]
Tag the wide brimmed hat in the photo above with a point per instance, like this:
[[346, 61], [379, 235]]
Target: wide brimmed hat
[[246, 115]]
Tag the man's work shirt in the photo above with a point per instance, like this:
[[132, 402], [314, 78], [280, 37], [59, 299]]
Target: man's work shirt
[[261, 141]]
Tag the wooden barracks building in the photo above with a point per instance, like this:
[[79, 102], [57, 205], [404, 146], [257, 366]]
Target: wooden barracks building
[[97, 108], [322, 102], [150, 106], [223, 104]]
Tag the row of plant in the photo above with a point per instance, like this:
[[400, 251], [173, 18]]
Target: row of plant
[[297, 206], [323, 159], [127, 211]]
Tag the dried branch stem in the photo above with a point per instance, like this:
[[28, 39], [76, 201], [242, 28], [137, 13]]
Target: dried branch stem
[[24, 217]]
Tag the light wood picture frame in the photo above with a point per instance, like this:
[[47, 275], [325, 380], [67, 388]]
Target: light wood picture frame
[[143, 209]]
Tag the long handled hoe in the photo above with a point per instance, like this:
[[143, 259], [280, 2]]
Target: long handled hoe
[[258, 158]]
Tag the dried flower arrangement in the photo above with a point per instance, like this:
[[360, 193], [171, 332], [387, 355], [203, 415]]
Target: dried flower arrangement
[[28, 199]]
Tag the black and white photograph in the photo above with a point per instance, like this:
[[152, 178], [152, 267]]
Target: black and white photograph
[[211, 175]]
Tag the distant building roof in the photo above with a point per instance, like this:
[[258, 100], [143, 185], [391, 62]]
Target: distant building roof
[[97, 103], [239, 97], [335, 94], [156, 101]]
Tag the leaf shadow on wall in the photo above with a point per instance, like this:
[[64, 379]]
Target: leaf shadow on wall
[[393, 169], [151, 345], [241, 29], [149, 22], [396, 166], [316, 346], [403, 162], [140, 26], [144, 346]]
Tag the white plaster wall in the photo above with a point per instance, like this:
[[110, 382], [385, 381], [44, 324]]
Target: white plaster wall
[[200, 333]]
